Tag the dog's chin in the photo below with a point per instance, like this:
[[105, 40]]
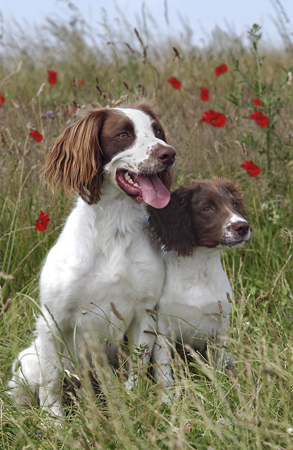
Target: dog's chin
[[232, 243]]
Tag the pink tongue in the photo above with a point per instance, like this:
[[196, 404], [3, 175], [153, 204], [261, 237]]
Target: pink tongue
[[154, 193]]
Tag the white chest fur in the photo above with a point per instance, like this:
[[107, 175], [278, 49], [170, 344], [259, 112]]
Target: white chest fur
[[103, 255], [189, 305]]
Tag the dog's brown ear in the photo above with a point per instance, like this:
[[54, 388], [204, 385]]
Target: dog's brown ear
[[167, 178], [235, 191], [75, 159], [171, 225]]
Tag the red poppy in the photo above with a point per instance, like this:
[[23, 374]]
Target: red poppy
[[2, 99], [42, 222], [221, 69], [174, 82], [251, 168], [216, 119], [257, 102], [36, 136], [260, 119], [52, 77], [80, 81], [204, 94]]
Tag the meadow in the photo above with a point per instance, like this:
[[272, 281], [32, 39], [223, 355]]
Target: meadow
[[248, 408]]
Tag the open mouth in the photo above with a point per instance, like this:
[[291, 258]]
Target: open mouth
[[209, 244], [147, 188]]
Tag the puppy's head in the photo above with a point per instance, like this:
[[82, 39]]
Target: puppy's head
[[207, 213], [127, 145]]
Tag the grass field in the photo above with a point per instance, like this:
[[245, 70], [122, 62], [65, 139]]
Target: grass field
[[251, 408]]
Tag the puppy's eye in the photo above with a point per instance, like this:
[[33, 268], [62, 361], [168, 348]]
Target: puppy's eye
[[158, 132], [208, 209], [235, 205], [123, 135]]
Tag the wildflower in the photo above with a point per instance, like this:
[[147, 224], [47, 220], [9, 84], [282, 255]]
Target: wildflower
[[80, 81], [221, 69], [36, 136], [257, 102], [49, 113], [52, 77], [2, 99], [204, 94], [144, 354], [290, 431], [174, 82], [251, 168], [42, 222], [214, 118], [264, 206], [260, 119]]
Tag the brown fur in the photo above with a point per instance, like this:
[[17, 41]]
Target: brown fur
[[77, 157], [180, 227]]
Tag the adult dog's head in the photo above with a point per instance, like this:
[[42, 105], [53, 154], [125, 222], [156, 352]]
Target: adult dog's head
[[127, 145]]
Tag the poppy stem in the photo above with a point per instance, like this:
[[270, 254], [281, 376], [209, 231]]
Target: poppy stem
[[268, 149]]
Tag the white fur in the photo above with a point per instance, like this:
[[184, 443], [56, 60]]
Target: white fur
[[189, 309], [103, 255]]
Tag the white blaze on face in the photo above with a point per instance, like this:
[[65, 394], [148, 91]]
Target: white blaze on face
[[126, 166], [227, 229], [145, 142], [145, 137]]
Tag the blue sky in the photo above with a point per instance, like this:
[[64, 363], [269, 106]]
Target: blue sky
[[202, 15]]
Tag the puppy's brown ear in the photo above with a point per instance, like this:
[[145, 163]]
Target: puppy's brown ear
[[75, 159], [237, 195], [167, 178], [171, 225]]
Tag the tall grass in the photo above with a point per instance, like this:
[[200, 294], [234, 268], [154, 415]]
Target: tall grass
[[250, 408]]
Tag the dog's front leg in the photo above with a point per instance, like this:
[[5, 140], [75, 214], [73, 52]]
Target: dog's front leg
[[162, 355], [142, 334], [220, 355], [50, 372]]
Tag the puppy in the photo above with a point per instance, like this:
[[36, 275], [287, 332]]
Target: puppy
[[199, 222], [103, 272]]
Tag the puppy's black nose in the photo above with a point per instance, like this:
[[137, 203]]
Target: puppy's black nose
[[241, 228], [166, 155]]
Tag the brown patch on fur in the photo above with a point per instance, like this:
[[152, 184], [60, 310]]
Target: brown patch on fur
[[75, 159], [171, 225]]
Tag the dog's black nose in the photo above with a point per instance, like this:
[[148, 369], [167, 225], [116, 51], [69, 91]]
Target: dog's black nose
[[241, 228], [166, 155]]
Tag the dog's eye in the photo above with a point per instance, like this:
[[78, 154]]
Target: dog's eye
[[235, 205], [158, 131], [123, 135], [207, 209]]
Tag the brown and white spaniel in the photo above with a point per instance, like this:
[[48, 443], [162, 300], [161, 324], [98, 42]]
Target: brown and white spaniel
[[199, 222], [115, 159]]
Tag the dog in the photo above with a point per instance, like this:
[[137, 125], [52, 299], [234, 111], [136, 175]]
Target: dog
[[199, 222], [104, 272]]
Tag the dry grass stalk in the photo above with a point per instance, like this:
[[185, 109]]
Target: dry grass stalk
[[116, 312]]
